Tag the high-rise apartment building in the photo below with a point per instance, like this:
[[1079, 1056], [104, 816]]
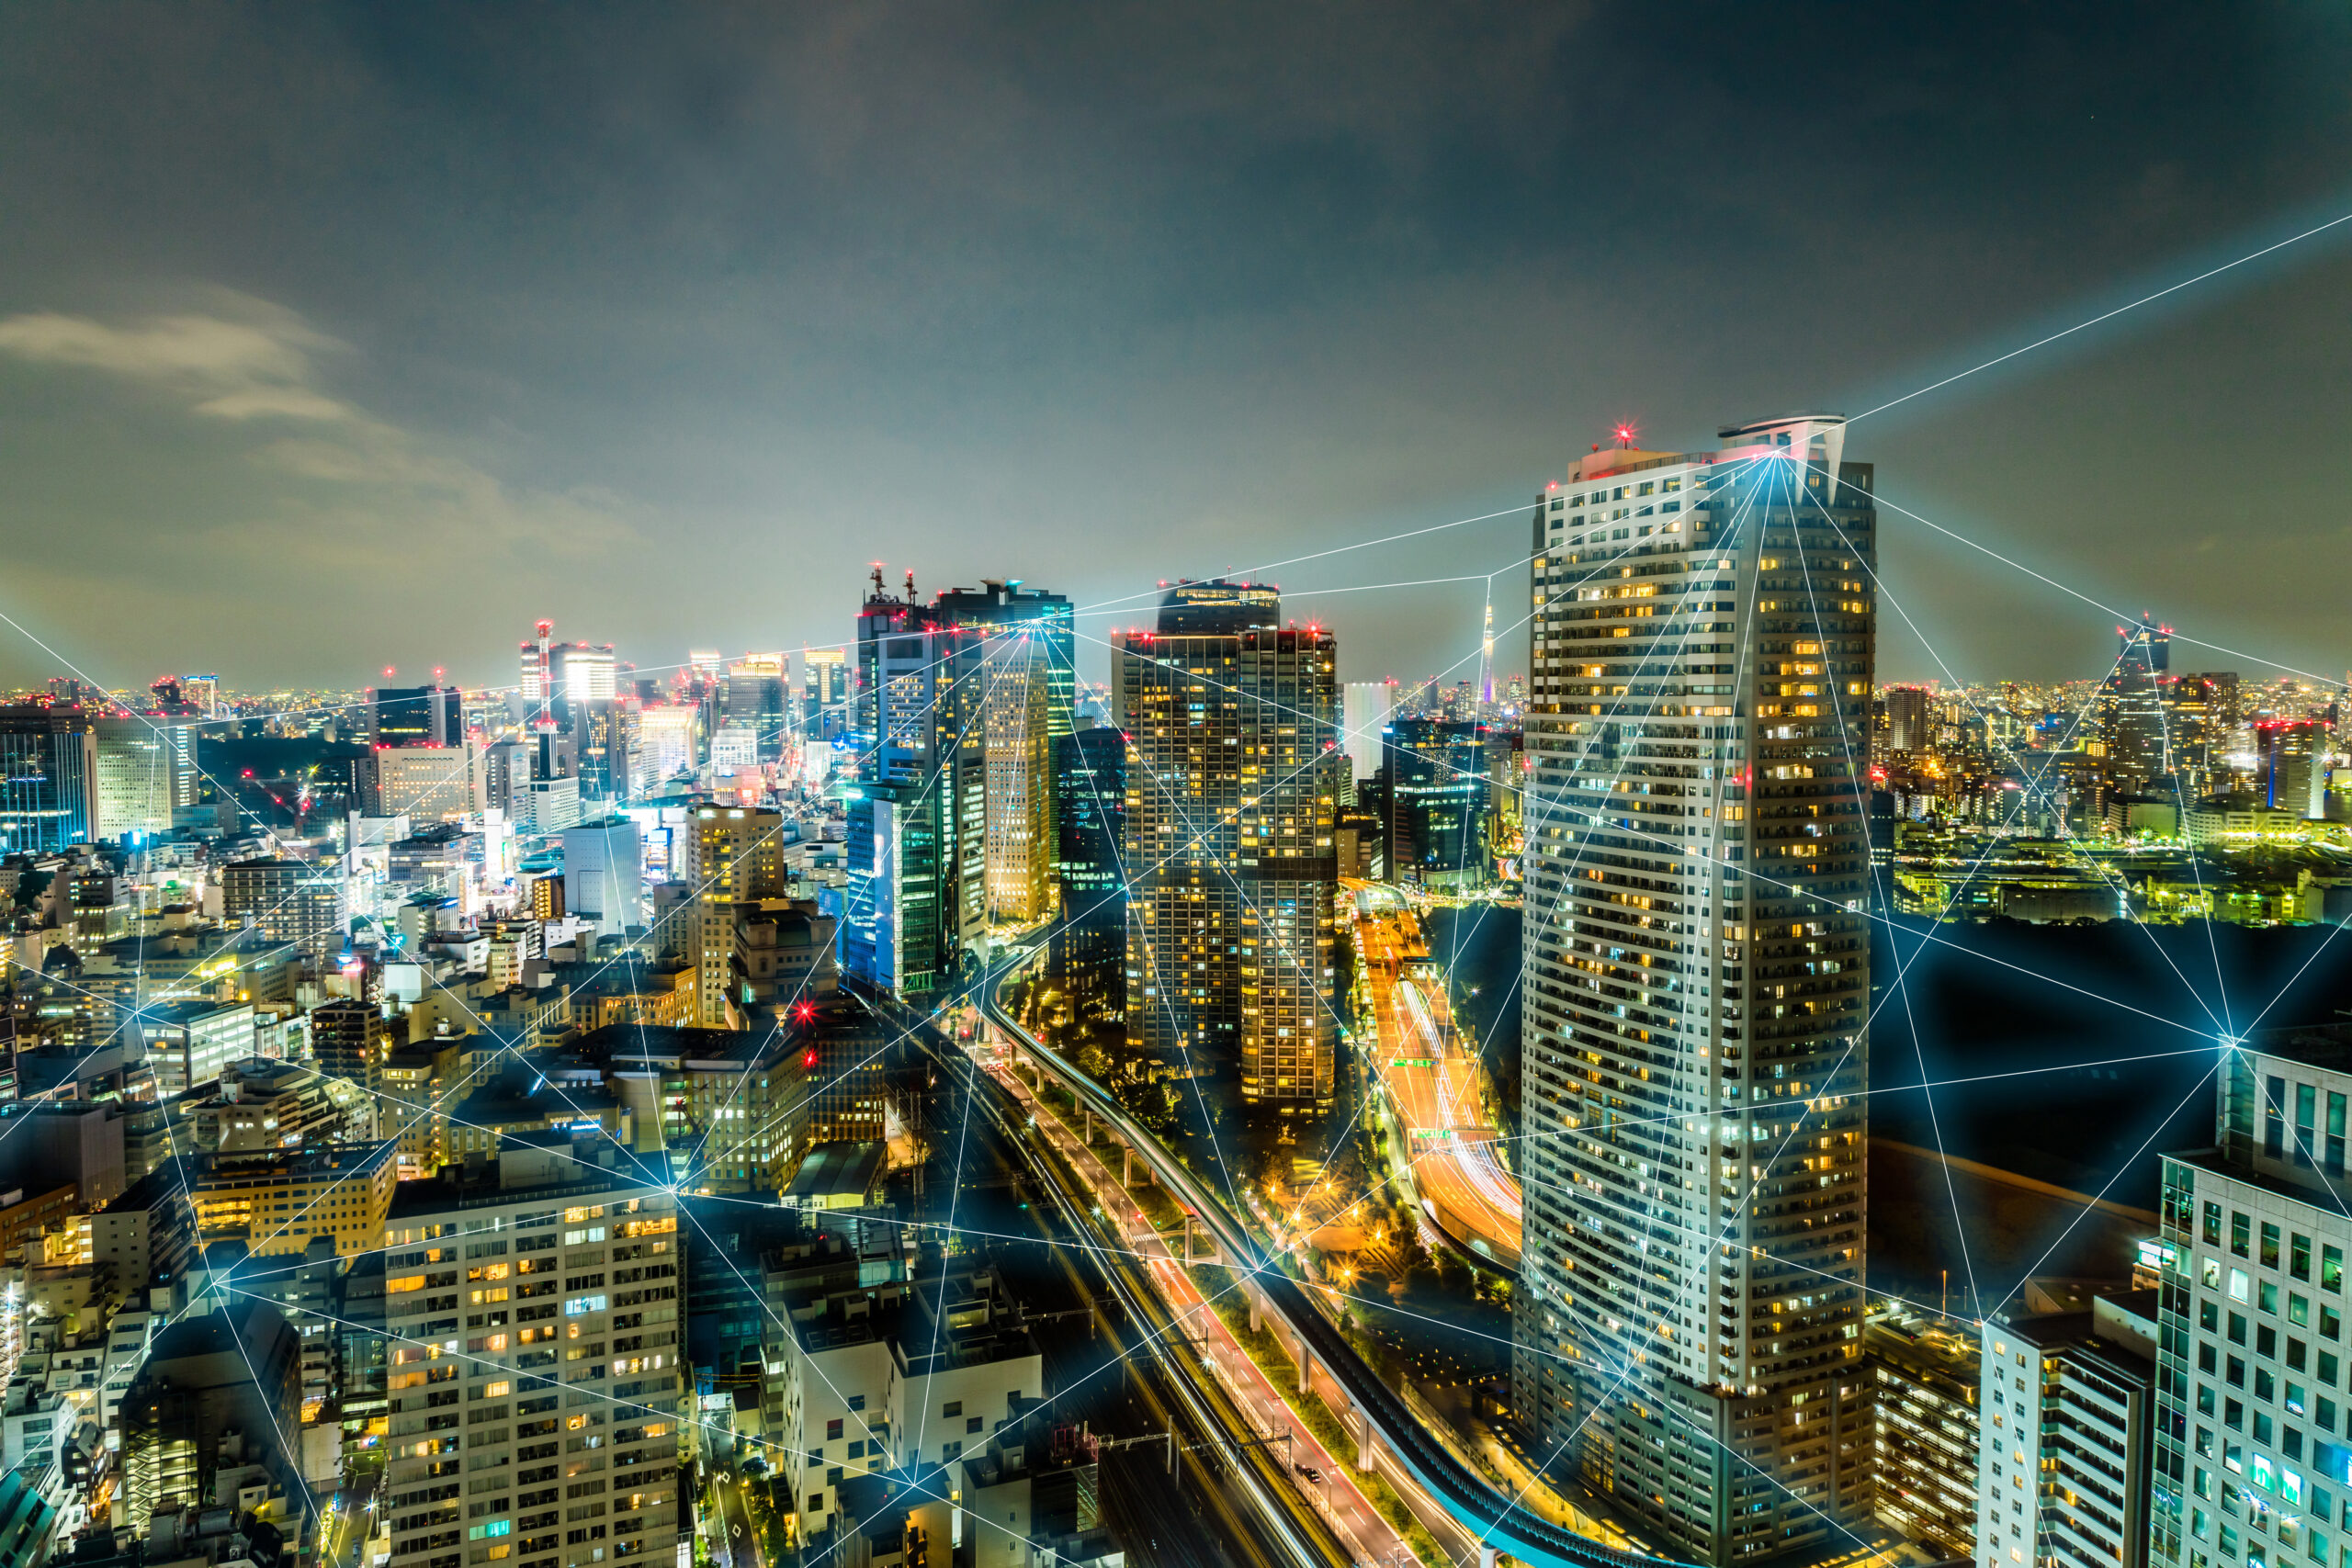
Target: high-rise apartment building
[[733, 853], [1696, 955], [1910, 718], [561, 1277], [304, 902], [2066, 1409], [2253, 1408], [918, 818], [1234, 773]]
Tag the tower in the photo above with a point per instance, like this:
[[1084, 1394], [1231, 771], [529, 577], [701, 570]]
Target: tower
[[1696, 961]]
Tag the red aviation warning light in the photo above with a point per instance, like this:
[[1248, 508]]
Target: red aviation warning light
[[808, 1059]]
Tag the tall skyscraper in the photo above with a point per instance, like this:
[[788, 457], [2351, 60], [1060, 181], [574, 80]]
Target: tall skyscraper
[[1910, 718], [1437, 772], [918, 819], [48, 775], [2132, 705], [1045, 616], [2295, 757], [1696, 955], [1234, 775], [1089, 817], [734, 855], [1015, 702]]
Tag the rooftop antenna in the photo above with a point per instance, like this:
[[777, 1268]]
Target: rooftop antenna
[[878, 580], [911, 585]]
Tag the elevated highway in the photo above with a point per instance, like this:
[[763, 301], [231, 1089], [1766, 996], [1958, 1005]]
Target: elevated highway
[[1377, 1413]]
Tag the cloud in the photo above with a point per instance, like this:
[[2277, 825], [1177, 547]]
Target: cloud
[[338, 486], [232, 370]]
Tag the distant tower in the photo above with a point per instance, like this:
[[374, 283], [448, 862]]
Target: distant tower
[[1486, 666]]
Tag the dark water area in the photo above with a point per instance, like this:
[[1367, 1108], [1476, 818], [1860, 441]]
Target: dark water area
[[1482, 943], [2071, 1055]]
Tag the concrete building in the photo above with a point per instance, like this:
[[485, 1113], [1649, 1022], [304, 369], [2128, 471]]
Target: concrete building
[[559, 1274], [1688, 1318], [302, 902], [2067, 1407], [275, 1204], [604, 879], [2253, 1444], [429, 783], [217, 1388], [188, 1044], [1924, 1379], [1234, 774], [733, 853], [146, 771]]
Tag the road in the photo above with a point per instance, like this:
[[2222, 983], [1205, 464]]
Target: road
[[1334, 1494], [742, 1539], [1432, 1087]]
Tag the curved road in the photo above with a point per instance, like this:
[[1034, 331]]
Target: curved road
[[1489, 1516]]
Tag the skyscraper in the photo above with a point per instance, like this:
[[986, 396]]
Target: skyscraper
[[1369, 705], [1089, 810], [1232, 778], [415, 715], [734, 855], [49, 774], [1437, 802], [146, 770], [2294, 757], [824, 693], [2132, 705], [1028, 696], [1696, 958], [918, 813]]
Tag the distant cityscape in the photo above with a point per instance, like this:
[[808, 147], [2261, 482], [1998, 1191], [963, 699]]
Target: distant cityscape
[[738, 1109]]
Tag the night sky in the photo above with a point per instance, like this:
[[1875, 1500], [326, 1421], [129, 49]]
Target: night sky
[[339, 337]]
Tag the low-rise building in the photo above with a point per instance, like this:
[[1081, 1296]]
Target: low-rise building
[[2066, 1409], [275, 1204], [1924, 1379]]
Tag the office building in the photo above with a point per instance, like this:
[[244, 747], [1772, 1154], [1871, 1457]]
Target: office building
[[1369, 705], [753, 708], [49, 776], [415, 715], [734, 855], [824, 693], [918, 814], [2131, 721], [275, 1204], [145, 772], [604, 880], [1090, 947], [560, 1276], [1046, 620], [1437, 772], [2200, 713], [585, 674], [429, 783], [217, 1388], [667, 745], [2066, 1409], [1234, 773], [2295, 757], [1688, 1318], [2254, 1413], [1019, 844]]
